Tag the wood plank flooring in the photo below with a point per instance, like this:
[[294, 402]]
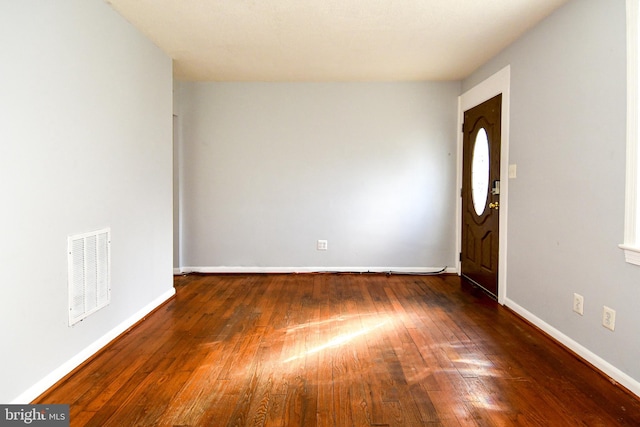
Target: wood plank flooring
[[337, 350]]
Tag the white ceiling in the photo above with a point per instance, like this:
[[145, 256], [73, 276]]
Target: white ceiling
[[331, 40]]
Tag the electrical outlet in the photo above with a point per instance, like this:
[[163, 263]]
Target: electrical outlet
[[608, 318], [578, 304], [321, 245]]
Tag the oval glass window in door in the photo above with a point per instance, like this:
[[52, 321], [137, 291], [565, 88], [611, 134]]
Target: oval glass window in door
[[480, 172]]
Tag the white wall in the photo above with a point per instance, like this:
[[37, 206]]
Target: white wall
[[273, 167], [178, 166], [566, 206], [85, 125]]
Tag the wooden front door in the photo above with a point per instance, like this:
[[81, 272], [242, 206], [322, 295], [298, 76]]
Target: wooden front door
[[481, 194]]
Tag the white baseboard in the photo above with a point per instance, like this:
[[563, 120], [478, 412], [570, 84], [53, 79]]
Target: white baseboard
[[177, 271], [599, 363], [236, 269], [44, 384]]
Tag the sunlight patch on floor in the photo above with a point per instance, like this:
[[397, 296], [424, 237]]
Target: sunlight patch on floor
[[342, 339]]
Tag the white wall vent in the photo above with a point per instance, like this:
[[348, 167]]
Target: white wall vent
[[89, 273]]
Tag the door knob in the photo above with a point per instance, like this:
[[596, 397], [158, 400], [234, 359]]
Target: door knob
[[495, 205]]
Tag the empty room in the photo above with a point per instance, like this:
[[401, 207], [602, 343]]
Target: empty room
[[321, 213]]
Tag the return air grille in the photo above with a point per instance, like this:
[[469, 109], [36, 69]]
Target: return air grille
[[89, 273]]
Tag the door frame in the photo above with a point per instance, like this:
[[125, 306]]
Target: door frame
[[498, 83]]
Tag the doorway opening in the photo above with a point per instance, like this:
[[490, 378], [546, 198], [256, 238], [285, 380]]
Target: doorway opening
[[495, 202]]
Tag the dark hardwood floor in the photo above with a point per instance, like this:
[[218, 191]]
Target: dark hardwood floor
[[337, 350]]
